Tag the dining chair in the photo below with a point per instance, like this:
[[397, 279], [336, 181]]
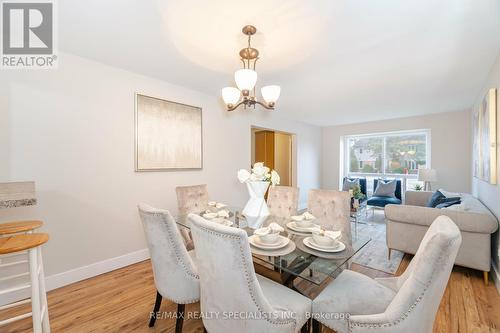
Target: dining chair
[[283, 201], [229, 285], [407, 303], [174, 269], [191, 199], [332, 210]]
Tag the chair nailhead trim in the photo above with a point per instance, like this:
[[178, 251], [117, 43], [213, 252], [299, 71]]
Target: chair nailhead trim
[[179, 258], [413, 306]]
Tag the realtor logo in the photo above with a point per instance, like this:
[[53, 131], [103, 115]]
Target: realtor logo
[[28, 34]]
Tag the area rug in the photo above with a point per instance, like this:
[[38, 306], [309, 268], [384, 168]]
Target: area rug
[[375, 253]]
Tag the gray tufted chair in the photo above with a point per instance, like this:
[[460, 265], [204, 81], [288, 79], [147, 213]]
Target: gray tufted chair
[[191, 199], [228, 283], [283, 201], [332, 210], [174, 270], [354, 303]]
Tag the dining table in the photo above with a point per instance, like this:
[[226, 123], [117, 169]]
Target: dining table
[[296, 260]]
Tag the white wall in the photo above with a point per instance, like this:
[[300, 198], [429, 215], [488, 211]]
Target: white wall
[[450, 152], [487, 193], [72, 131]]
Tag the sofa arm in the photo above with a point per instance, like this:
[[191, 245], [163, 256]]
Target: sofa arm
[[417, 198], [466, 221]]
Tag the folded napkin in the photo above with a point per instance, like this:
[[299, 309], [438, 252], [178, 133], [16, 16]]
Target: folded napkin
[[328, 233], [308, 216], [209, 215], [270, 229], [223, 213]]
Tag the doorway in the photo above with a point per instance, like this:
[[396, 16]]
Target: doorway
[[277, 150]]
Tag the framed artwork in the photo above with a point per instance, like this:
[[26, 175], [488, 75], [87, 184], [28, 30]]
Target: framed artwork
[[485, 138], [476, 154], [168, 135]]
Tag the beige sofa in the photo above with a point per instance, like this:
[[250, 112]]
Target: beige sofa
[[407, 224]]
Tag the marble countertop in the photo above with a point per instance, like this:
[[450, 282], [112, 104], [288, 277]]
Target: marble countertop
[[17, 194]]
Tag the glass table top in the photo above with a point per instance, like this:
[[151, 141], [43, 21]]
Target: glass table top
[[302, 262]]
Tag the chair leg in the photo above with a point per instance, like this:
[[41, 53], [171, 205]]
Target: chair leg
[[35, 290], [389, 256], [155, 309], [485, 276], [180, 318], [43, 293], [316, 326]]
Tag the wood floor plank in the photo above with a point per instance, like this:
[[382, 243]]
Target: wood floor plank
[[120, 301]]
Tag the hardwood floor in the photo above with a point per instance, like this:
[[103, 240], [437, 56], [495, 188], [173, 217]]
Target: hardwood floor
[[120, 301]]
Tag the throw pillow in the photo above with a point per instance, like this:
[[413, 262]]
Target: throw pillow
[[433, 200], [449, 203], [439, 198], [350, 183], [386, 188]]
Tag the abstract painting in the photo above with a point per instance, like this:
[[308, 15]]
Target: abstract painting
[[485, 138], [476, 154], [168, 135]]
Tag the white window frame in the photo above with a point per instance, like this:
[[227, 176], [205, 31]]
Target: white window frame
[[346, 155]]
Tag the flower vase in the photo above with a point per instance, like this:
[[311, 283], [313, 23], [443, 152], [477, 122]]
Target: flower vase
[[256, 210]]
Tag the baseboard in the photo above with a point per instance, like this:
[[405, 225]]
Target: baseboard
[[495, 275], [81, 273]]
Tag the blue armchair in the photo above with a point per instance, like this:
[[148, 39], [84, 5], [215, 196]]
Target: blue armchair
[[382, 201]]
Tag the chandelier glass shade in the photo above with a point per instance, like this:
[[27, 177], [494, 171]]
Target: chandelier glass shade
[[270, 93], [246, 79], [231, 95]]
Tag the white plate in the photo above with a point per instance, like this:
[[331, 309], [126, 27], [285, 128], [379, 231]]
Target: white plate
[[309, 242], [209, 216], [292, 225], [255, 241]]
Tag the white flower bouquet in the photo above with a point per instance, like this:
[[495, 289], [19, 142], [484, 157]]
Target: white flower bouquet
[[258, 173]]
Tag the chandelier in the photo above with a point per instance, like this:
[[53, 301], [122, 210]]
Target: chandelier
[[246, 78]]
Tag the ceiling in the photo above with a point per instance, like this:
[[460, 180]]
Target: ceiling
[[337, 61]]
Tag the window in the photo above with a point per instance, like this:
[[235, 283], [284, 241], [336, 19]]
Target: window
[[394, 154]]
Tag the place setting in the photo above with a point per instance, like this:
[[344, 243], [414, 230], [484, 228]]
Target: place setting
[[303, 223], [268, 241], [218, 214], [325, 244]]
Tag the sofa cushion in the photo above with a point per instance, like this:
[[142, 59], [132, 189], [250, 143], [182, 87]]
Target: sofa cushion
[[381, 201], [480, 222]]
